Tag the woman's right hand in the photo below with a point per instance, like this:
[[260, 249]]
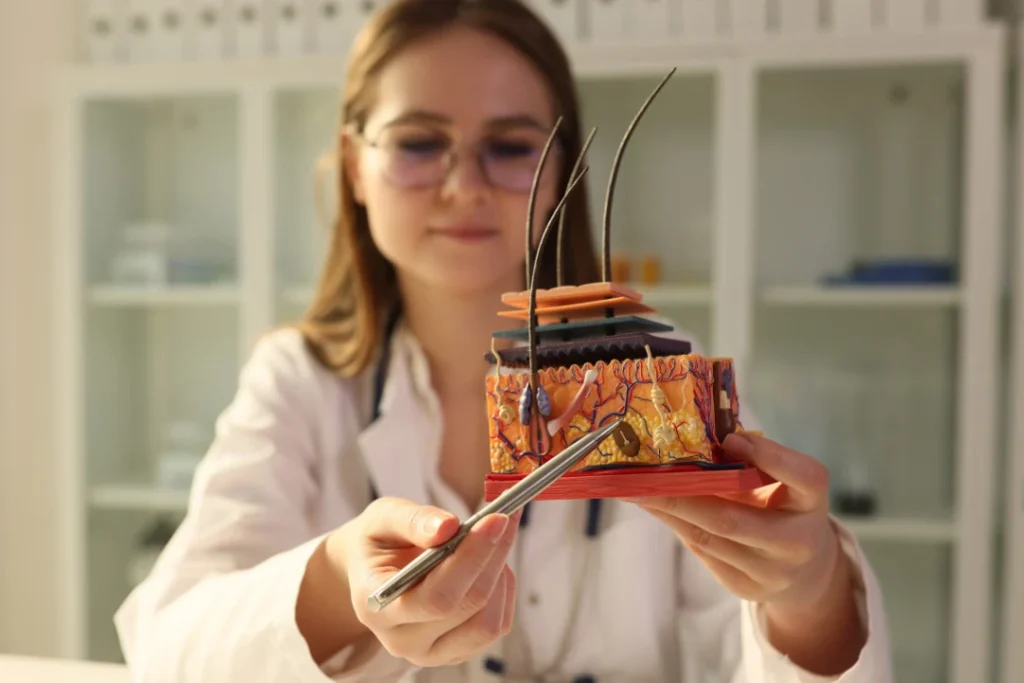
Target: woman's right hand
[[463, 605]]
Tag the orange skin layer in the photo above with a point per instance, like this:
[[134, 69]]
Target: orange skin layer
[[677, 430]]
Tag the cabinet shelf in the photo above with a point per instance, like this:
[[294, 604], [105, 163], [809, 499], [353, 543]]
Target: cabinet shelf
[[866, 296], [183, 295], [138, 497], [148, 498], [675, 295], [297, 296], [656, 295], [901, 530]]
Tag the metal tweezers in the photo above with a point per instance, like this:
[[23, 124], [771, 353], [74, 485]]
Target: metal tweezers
[[507, 503]]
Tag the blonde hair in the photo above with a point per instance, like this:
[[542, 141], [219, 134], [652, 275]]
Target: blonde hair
[[343, 326]]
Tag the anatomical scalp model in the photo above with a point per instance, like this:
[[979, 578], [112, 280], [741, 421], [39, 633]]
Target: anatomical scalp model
[[591, 353]]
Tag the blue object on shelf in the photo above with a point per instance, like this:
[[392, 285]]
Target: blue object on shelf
[[895, 271]]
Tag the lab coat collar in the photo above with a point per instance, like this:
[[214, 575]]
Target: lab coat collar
[[407, 422], [410, 418]]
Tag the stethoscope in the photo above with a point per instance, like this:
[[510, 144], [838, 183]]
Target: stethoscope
[[592, 527]]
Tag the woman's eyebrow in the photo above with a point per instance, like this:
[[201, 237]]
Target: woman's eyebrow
[[418, 116], [518, 121], [498, 123]]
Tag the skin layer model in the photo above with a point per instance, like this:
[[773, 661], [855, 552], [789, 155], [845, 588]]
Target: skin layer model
[[589, 354]]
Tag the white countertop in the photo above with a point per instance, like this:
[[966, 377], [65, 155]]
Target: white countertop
[[35, 670]]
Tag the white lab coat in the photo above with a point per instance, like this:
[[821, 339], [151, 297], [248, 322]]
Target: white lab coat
[[289, 464]]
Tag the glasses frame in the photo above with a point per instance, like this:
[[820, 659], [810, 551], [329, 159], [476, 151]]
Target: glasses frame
[[452, 156]]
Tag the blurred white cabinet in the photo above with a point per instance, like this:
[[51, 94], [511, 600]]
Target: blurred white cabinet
[[893, 384], [196, 203], [151, 315], [1012, 575]]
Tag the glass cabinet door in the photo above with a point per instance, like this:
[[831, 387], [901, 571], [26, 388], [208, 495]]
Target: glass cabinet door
[[305, 191], [859, 327], [159, 301]]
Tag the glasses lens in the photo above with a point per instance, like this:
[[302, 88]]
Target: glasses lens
[[511, 161], [417, 157], [414, 157]]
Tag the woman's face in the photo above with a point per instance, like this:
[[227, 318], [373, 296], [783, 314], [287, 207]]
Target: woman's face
[[463, 230]]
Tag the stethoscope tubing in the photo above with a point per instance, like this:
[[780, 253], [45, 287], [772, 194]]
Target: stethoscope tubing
[[594, 506]]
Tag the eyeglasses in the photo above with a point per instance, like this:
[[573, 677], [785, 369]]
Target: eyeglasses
[[415, 156]]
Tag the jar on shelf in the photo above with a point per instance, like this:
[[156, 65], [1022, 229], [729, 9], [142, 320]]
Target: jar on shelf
[[650, 270], [142, 256], [199, 260]]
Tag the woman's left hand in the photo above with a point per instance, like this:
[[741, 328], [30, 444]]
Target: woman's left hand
[[777, 546], [773, 545]]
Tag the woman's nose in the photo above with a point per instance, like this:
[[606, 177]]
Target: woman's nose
[[466, 178]]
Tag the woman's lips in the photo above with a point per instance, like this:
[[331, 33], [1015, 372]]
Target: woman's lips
[[468, 234]]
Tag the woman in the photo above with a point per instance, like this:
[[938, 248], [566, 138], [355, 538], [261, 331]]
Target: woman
[[447, 106]]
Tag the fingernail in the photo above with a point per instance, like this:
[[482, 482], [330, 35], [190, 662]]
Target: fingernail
[[432, 526]]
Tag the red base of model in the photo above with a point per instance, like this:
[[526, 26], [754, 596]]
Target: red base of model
[[675, 480]]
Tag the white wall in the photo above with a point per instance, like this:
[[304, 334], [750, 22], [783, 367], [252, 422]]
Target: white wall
[[34, 36]]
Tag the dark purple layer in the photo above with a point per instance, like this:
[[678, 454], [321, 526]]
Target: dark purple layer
[[580, 351]]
